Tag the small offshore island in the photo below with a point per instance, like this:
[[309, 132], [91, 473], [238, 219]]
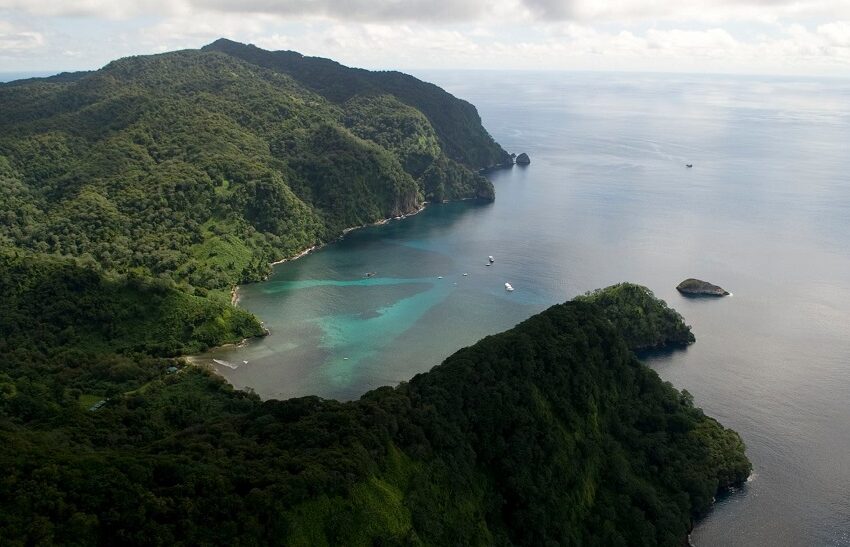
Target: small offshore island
[[141, 193], [696, 287]]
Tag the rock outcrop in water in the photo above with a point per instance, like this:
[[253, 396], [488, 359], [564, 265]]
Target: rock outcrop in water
[[697, 287], [523, 159]]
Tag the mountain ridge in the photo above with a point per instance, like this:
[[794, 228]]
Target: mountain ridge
[[323, 75], [250, 164]]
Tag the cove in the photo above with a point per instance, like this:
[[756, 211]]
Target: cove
[[764, 212]]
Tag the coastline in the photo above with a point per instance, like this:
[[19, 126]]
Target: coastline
[[234, 291]]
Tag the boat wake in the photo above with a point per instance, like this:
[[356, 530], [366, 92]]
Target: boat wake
[[225, 364]]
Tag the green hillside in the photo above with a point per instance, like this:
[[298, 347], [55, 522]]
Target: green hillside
[[71, 326], [549, 433], [204, 167], [456, 122]]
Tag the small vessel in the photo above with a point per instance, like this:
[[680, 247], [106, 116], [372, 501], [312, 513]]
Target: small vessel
[[439, 277], [465, 274], [689, 165], [488, 264], [508, 287], [369, 274], [244, 362], [345, 358], [491, 259]]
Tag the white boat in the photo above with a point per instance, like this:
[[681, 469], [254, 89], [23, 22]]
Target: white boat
[[508, 287], [491, 259], [466, 274], [439, 277]]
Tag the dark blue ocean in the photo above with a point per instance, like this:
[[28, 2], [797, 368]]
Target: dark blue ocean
[[764, 212]]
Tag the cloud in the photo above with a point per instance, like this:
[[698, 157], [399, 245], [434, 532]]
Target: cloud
[[109, 9], [14, 41], [535, 10], [339, 10], [193, 27], [366, 10], [552, 9], [382, 45], [836, 34], [450, 11], [665, 35]]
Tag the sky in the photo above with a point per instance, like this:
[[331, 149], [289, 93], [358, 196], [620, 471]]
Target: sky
[[809, 37]]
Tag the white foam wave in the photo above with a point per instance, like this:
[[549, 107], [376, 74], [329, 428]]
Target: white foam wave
[[225, 364]]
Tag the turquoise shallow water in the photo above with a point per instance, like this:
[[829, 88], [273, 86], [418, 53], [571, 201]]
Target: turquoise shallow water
[[765, 212]]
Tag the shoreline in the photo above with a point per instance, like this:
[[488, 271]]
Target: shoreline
[[234, 291]]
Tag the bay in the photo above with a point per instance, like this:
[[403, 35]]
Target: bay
[[764, 212]]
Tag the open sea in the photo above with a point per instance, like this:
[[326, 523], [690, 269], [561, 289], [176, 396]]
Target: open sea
[[11, 76], [764, 212]]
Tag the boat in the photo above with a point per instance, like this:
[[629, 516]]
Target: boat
[[369, 274], [689, 165], [439, 277], [466, 274], [508, 287], [491, 259]]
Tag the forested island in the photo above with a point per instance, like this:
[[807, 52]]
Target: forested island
[[136, 196]]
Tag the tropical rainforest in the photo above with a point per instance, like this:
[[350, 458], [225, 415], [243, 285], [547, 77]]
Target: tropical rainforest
[[204, 167], [134, 197]]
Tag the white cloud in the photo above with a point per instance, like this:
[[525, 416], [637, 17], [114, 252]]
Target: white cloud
[[369, 10], [110, 9], [836, 34], [15, 41], [190, 28], [374, 44], [447, 11], [811, 36]]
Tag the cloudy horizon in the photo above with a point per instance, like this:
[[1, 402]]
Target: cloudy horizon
[[809, 37]]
